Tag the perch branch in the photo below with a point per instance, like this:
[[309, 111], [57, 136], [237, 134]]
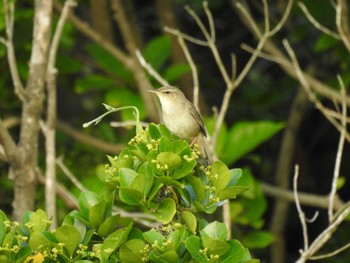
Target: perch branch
[[339, 154], [9, 10]]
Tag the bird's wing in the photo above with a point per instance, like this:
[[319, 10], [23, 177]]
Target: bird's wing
[[199, 119]]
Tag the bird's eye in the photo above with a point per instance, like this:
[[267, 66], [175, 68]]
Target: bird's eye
[[167, 92]]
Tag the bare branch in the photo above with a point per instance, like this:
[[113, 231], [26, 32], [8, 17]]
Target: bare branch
[[342, 22], [89, 140], [284, 18], [193, 70], [269, 47], [316, 24], [50, 134], [339, 153], [300, 211], [148, 67], [10, 147], [185, 36], [335, 252], [128, 123], [9, 9], [305, 82]]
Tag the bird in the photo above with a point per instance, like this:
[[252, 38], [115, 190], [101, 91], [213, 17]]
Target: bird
[[181, 117]]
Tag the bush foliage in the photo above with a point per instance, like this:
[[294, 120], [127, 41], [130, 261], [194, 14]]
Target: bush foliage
[[156, 173]]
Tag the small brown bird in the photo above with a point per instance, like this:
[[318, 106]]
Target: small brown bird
[[181, 117]]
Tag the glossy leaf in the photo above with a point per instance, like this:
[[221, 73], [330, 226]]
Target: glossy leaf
[[166, 210], [231, 192], [157, 51], [108, 225], [235, 254], [220, 176], [130, 251], [39, 221], [257, 239], [190, 220], [244, 137], [97, 213], [194, 246], [68, 235]]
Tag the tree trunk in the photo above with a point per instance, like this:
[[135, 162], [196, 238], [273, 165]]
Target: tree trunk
[[25, 172]]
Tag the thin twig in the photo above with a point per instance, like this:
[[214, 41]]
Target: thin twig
[[342, 22], [339, 153], [118, 124], [316, 24], [9, 145], [210, 20], [148, 67], [331, 254], [284, 18], [230, 86], [185, 36], [312, 96], [9, 10], [193, 70], [70, 175], [300, 211], [50, 134]]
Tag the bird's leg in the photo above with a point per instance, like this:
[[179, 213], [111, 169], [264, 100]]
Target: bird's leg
[[193, 141]]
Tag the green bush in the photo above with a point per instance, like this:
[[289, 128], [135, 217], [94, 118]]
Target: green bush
[[156, 173]]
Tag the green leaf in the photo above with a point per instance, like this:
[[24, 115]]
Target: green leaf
[[67, 65], [3, 218], [190, 220], [166, 210], [37, 240], [128, 177], [109, 63], [86, 201], [154, 131], [108, 225], [325, 42], [231, 192], [97, 213], [93, 82], [130, 251], [215, 246], [176, 71], [194, 246], [257, 239], [69, 236], [169, 181], [177, 238], [9, 239], [235, 254], [113, 241], [246, 136], [216, 230], [166, 257], [157, 51], [235, 174], [153, 236], [169, 159], [198, 187], [220, 176], [184, 170], [130, 196], [39, 221], [23, 254]]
